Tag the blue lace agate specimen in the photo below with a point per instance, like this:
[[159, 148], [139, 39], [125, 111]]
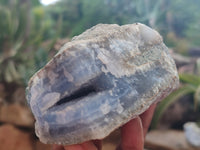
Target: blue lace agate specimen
[[99, 81]]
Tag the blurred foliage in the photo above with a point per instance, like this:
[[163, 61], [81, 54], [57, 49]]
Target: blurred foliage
[[23, 28], [167, 16], [180, 45], [26, 24], [190, 84], [79, 15]]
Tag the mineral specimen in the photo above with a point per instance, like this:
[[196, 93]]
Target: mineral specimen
[[99, 81]]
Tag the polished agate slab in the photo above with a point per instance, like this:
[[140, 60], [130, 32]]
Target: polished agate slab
[[99, 81]]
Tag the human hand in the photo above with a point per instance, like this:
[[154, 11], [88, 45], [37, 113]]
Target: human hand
[[132, 135]]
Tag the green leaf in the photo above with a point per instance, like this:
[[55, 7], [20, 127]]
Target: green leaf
[[190, 78], [198, 66], [197, 98], [11, 72], [164, 104]]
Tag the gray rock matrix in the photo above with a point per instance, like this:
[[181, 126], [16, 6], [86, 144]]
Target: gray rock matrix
[[99, 81]]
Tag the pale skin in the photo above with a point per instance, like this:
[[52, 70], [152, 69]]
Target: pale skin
[[132, 135]]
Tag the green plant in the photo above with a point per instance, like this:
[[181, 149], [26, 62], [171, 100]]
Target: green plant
[[23, 29], [79, 15], [190, 85]]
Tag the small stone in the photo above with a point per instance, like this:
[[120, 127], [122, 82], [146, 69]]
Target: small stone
[[167, 140], [99, 81], [192, 133], [12, 138], [16, 114]]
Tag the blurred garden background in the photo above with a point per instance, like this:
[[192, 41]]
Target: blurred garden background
[[31, 33]]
